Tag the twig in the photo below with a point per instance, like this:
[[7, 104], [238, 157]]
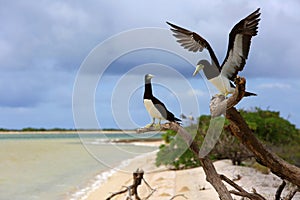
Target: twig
[[279, 190], [128, 197], [117, 193], [152, 190], [241, 191], [132, 189], [211, 174], [292, 192], [148, 184], [178, 195], [148, 129]]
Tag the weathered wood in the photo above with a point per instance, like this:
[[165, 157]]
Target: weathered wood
[[211, 174], [240, 191], [138, 176], [225, 106], [244, 134], [137, 181], [117, 193], [148, 129], [279, 190], [219, 104], [291, 193]]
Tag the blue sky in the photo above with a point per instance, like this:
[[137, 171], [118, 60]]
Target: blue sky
[[45, 44]]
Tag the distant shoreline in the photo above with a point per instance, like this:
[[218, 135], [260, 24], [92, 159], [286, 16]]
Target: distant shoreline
[[144, 141], [69, 132]]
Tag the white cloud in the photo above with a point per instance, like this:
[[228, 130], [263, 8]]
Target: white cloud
[[274, 86], [41, 41]]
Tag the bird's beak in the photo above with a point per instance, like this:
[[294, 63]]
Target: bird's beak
[[198, 68], [151, 76]]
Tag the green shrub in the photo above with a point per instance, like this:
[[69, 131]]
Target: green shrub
[[175, 154], [277, 133]]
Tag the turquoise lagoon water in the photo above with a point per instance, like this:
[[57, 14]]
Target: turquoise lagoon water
[[60, 166]]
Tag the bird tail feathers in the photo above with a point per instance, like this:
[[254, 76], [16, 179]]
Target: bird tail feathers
[[247, 94], [177, 120]]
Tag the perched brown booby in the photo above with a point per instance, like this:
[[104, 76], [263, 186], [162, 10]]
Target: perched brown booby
[[155, 108]]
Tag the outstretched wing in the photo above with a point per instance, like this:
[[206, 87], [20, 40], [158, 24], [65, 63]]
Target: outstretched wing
[[239, 45], [192, 41]]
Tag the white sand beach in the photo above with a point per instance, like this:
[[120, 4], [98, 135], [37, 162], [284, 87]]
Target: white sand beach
[[191, 183]]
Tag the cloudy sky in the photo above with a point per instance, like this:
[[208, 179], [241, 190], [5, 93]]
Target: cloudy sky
[[45, 46]]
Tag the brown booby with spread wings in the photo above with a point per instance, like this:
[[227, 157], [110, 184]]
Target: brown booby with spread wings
[[221, 76]]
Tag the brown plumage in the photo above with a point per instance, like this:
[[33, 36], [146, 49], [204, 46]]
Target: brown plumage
[[237, 51]]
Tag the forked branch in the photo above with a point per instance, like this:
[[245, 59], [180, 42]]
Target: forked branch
[[138, 176], [211, 174], [225, 106]]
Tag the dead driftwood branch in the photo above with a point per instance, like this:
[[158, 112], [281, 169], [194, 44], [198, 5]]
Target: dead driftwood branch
[[225, 106], [219, 104], [292, 192], [148, 129], [240, 191], [294, 189], [244, 134], [279, 190], [138, 176], [278, 166], [211, 174], [154, 128]]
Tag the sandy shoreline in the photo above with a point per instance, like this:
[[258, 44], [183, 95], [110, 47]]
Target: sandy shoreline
[[168, 183], [190, 183]]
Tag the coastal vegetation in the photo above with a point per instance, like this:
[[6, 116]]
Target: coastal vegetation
[[222, 106], [277, 133]]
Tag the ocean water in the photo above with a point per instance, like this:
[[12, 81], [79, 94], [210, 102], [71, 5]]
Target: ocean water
[[60, 166]]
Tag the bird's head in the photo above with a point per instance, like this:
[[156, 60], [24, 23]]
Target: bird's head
[[199, 67], [148, 78]]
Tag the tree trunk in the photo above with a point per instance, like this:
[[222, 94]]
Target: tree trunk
[[210, 171], [277, 165], [244, 134], [221, 106]]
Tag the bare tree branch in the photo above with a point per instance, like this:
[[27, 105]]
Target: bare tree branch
[[218, 107], [117, 193], [148, 129], [292, 192], [211, 174], [225, 106], [152, 190], [244, 134], [241, 191], [277, 165], [219, 104], [279, 190], [138, 176]]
